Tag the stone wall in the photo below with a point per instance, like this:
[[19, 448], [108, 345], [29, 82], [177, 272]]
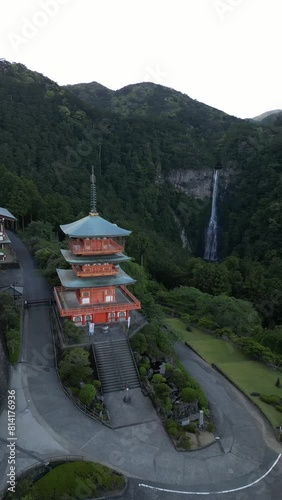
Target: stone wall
[[4, 375]]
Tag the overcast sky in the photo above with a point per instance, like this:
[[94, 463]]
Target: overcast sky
[[225, 53]]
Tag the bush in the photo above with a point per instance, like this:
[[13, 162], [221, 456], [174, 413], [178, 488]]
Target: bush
[[166, 404], [146, 363], [139, 343], [278, 408], [190, 428], [210, 427], [184, 442], [162, 391], [87, 394], [207, 323], [168, 369], [202, 398], [13, 340], [142, 371], [270, 400], [158, 379], [70, 328], [179, 378], [169, 423], [75, 367], [173, 432], [75, 391], [188, 395], [97, 384]]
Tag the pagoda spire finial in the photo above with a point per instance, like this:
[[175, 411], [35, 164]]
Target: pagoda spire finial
[[93, 194]]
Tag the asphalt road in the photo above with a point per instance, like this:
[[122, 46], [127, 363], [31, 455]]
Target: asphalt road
[[245, 453]]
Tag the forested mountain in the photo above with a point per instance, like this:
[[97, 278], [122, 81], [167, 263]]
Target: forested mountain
[[154, 151], [268, 117]]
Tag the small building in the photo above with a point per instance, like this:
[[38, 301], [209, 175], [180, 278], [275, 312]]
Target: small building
[[6, 252], [14, 291], [95, 288]]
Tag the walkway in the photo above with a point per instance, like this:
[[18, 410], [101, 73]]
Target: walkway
[[49, 424]]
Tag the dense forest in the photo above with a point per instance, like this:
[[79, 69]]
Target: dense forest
[[50, 136]]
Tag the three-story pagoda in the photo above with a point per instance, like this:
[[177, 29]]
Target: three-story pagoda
[[95, 288]]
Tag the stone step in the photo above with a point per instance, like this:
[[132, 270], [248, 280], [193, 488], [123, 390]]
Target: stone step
[[116, 365]]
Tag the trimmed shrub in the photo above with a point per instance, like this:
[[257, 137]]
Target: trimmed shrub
[[168, 369], [188, 395], [190, 428], [87, 394], [97, 384], [171, 423], [202, 398], [270, 400], [184, 442], [139, 343], [75, 367], [162, 391], [173, 432], [158, 379], [179, 378], [142, 371], [278, 408], [146, 363]]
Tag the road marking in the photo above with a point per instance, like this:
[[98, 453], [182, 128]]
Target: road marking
[[91, 439], [142, 485]]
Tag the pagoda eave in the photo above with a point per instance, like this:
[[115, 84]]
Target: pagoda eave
[[94, 259], [70, 281], [127, 302]]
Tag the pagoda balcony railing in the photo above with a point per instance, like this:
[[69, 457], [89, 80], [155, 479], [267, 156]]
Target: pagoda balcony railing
[[95, 271], [95, 247], [95, 308]]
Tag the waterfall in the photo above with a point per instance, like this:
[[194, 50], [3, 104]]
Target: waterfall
[[211, 238]]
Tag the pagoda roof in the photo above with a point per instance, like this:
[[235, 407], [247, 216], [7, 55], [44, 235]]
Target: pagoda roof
[[69, 280], [93, 226], [5, 214], [93, 259]]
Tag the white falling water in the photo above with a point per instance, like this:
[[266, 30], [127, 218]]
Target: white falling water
[[211, 238]]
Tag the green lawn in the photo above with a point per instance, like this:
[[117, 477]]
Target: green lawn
[[250, 376]]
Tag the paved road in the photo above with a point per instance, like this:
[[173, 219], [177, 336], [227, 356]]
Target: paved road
[[49, 424]]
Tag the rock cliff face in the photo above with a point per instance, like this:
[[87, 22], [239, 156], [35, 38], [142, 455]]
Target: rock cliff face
[[198, 183], [4, 375]]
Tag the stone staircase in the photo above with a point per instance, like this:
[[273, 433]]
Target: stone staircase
[[116, 365]]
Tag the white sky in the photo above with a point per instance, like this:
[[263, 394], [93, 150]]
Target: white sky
[[225, 53]]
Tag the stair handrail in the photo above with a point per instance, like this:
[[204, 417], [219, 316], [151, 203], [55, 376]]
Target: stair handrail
[[97, 368], [134, 360]]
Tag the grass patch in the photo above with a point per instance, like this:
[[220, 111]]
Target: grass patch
[[75, 480], [13, 341], [250, 376]]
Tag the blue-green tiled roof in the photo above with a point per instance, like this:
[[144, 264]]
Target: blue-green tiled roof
[[70, 280], [6, 214], [93, 226], [94, 259]]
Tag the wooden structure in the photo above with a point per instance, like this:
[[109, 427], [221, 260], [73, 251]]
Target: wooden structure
[[95, 288], [5, 242]]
